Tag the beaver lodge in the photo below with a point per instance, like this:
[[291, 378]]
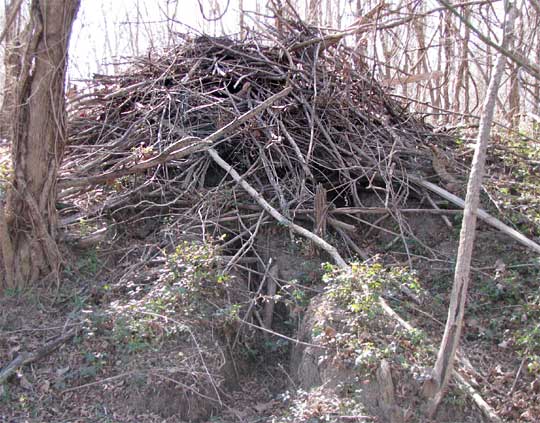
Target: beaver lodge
[[214, 195]]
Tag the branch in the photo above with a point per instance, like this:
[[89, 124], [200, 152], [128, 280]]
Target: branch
[[282, 220], [179, 149], [27, 358], [482, 214], [182, 148]]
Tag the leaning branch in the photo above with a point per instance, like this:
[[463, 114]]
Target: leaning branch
[[282, 220], [435, 386], [482, 214]]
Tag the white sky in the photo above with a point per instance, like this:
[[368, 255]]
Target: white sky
[[108, 28]]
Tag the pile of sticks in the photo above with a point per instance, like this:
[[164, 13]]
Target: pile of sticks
[[292, 112]]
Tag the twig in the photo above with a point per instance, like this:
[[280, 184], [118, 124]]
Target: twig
[[280, 335], [511, 391], [99, 382], [253, 301]]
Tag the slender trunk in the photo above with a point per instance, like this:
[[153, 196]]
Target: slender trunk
[[514, 95], [462, 71], [12, 67], [448, 58], [434, 387]]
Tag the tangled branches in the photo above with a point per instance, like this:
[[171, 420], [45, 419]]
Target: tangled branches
[[142, 136]]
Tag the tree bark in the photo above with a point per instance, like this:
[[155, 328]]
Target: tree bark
[[38, 135], [435, 386], [462, 70], [12, 53]]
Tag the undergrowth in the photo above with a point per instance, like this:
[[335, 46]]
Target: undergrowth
[[187, 292], [364, 334], [357, 335]]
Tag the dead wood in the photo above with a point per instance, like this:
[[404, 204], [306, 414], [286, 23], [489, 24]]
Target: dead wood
[[482, 214], [29, 357], [388, 399], [270, 301]]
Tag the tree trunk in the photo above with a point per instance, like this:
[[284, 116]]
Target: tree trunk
[[462, 70], [38, 135], [435, 386]]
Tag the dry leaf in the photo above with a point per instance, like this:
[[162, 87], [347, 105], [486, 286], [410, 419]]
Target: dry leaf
[[330, 332], [45, 387], [261, 408], [62, 371], [25, 384]]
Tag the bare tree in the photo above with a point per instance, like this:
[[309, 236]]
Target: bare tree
[[461, 77], [434, 387], [38, 136]]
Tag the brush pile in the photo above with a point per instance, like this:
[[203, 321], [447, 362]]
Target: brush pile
[[139, 139]]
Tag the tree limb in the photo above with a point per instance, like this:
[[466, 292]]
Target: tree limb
[[482, 214]]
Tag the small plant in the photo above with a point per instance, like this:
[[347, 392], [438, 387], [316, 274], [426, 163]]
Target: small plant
[[359, 289], [416, 336], [276, 345], [528, 341], [86, 227], [4, 393], [89, 263], [363, 334], [6, 175], [153, 313]]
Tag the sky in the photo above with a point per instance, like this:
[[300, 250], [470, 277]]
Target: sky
[[114, 28], [108, 31]]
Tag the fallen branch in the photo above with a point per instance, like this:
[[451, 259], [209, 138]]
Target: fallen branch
[[27, 358], [464, 385], [282, 220], [482, 214]]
